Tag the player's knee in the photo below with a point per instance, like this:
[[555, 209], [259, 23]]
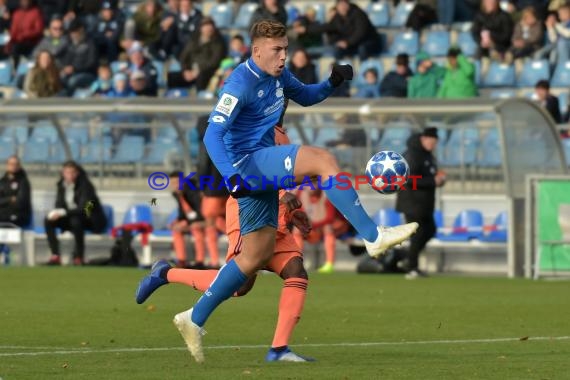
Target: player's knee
[[245, 288], [294, 269]]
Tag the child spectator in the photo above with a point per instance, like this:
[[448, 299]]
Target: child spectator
[[121, 87], [370, 88], [238, 49], [395, 83], [103, 85]]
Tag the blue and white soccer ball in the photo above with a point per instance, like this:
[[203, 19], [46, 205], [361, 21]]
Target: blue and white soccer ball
[[387, 172]]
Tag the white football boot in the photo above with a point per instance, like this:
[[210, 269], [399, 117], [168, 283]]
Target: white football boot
[[191, 333], [389, 237]]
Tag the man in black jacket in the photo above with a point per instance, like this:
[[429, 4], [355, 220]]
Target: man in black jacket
[[77, 208], [81, 59], [418, 204], [395, 83], [15, 194], [547, 100]]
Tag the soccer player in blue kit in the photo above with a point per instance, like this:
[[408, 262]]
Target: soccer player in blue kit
[[240, 139]]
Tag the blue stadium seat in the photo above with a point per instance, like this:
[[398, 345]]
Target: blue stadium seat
[[503, 94], [4, 38], [387, 217], [395, 137], [79, 134], [222, 14], [174, 66], [165, 231], [158, 150], [563, 102], [7, 147], [466, 43], [462, 147], [194, 142], [405, 42], [321, 10], [439, 223], [490, 155], [95, 151], [129, 151], [561, 77], [369, 64], [294, 136], [5, 73], [117, 66], [324, 135], [401, 14], [36, 151], [57, 155], [161, 79], [24, 67], [244, 14], [500, 75], [140, 213], [110, 214], [566, 147], [292, 13], [176, 93], [20, 134], [500, 230], [437, 43], [82, 93], [45, 132], [379, 14], [467, 225], [532, 72]]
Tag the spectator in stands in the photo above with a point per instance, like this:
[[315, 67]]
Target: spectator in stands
[[370, 89], [109, 30], [459, 79], [419, 205], [350, 31], [217, 82], [168, 34], [5, 16], [559, 33], [269, 10], [492, 30], [143, 86], [55, 41], [427, 79], [26, 30], [395, 83], [547, 100], [121, 87], [302, 67], [87, 12], [201, 58], [239, 51], [528, 36], [188, 22], [15, 194], [423, 14], [104, 84], [147, 27], [77, 209], [81, 60], [43, 81], [51, 9], [307, 23]]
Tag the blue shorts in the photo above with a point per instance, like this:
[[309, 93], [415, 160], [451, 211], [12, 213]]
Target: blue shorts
[[265, 170]]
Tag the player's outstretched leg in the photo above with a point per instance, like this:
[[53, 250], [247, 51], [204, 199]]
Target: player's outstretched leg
[[154, 280], [311, 161]]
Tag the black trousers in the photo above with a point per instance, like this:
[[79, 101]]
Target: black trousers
[[419, 240], [76, 224]]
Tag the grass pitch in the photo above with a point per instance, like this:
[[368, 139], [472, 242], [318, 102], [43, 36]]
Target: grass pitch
[[83, 323]]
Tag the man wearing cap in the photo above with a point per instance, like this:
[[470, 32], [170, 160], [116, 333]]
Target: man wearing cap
[[418, 204], [427, 79], [110, 26], [81, 59], [459, 79], [143, 74]]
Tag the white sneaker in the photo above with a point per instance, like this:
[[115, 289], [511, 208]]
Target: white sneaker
[[191, 333], [389, 237]]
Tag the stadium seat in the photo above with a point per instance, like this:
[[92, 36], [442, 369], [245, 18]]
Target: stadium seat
[[177, 93], [490, 154], [140, 213], [369, 64], [395, 137], [566, 147], [321, 10], [503, 94], [5, 73], [174, 66], [222, 14], [405, 42], [466, 43], [79, 134], [82, 93], [387, 217], [467, 225], [4, 38], [7, 147], [194, 142], [57, 155], [439, 223], [561, 76], [324, 135], [532, 72], [20, 134], [36, 151], [462, 146], [161, 79], [499, 230], [97, 151], [379, 14], [117, 66], [500, 75], [45, 132], [401, 14], [164, 231], [563, 102], [167, 133], [244, 14], [24, 67], [158, 150], [436, 43], [129, 151]]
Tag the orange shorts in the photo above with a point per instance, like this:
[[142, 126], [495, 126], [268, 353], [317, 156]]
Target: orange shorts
[[212, 207], [285, 249]]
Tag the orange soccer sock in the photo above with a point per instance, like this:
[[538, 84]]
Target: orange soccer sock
[[290, 307], [198, 279], [330, 247], [212, 243], [199, 244]]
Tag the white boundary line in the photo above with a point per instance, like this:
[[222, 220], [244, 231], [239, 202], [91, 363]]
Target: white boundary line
[[256, 346]]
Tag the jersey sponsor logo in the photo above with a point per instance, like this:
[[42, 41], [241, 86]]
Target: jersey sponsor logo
[[260, 93], [274, 107], [227, 104], [219, 119]]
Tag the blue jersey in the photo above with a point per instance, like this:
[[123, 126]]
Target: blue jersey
[[250, 105]]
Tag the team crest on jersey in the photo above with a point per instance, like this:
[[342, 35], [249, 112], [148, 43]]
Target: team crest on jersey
[[260, 93], [279, 92], [227, 104]]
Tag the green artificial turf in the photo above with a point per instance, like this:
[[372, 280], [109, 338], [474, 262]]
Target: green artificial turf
[[83, 323]]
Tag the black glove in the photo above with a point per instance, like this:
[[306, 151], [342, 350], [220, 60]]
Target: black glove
[[238, 187], [340, 73]]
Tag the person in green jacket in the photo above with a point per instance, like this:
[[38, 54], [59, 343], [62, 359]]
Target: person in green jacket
[[459, 80], [426, 81]]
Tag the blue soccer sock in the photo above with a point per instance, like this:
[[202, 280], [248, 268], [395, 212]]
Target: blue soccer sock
[[347, 202], [229, 279]]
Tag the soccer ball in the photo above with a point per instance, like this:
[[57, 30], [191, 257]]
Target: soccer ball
[[387, 172]]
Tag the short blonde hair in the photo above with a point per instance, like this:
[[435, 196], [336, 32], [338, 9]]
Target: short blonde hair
[[267, 29]]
